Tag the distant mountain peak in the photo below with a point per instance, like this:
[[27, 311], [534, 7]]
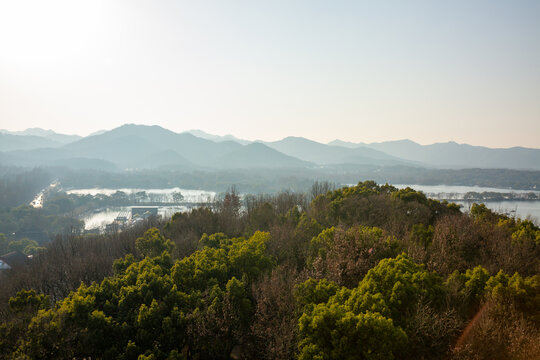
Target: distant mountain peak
[[139, 126], [140, 130], [297, 139], [294, 138], [37, 132], [200, 133], [216, 138], [99, 132], [55, 137]]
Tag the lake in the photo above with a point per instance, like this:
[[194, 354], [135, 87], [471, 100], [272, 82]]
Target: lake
[[521, 209], [106, 216]]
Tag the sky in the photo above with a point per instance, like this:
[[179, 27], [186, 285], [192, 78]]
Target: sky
[[362, 71]]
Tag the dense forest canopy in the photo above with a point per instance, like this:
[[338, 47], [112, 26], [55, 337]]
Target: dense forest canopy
[[362, 272]]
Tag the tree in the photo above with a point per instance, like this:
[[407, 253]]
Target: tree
[[402, 284], [321, 188], [345, 256], [422, 235], [333, 332], [370, 321], [141, 196], [24, 245], [177, 197], [526, 231], [28, 302], [152, 243]]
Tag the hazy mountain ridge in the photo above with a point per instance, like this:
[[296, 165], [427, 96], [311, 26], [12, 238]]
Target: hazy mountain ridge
[[42, 133], [322, 154], [144, 147], [10, 142], [257, 155], [454, 155], [54, 157], [147, 147], [217, 138]]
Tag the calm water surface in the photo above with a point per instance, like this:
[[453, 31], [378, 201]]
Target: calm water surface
[[521, 209], [106, 216]]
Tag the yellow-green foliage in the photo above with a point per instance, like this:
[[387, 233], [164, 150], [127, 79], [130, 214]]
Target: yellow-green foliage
[[147, 307], [312, 292], [521, 230], [409, 194], [526, 231], [330, 331], [152, 243], [469, 285], [365, 322], [476, 286], [521, 292], [337, 198], [28, 301], [480, 212], [321, 243]]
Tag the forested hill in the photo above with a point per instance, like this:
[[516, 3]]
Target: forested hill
[[361, 272]]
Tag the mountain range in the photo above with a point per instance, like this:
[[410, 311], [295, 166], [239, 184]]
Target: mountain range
[[454, 155], [153, 147], [36, 135]]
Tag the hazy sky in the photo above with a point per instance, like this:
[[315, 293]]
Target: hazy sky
[[431, 71]]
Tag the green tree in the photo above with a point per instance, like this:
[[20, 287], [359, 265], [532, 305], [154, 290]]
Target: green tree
[[24, 245], [370, 321], [152, 243], [422, 234], [177, 197], [402, 284], [526, 231], [312, 292], [333, 332], [28, 302]]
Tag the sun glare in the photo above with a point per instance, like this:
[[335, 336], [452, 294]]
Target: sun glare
[[49, 32]]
